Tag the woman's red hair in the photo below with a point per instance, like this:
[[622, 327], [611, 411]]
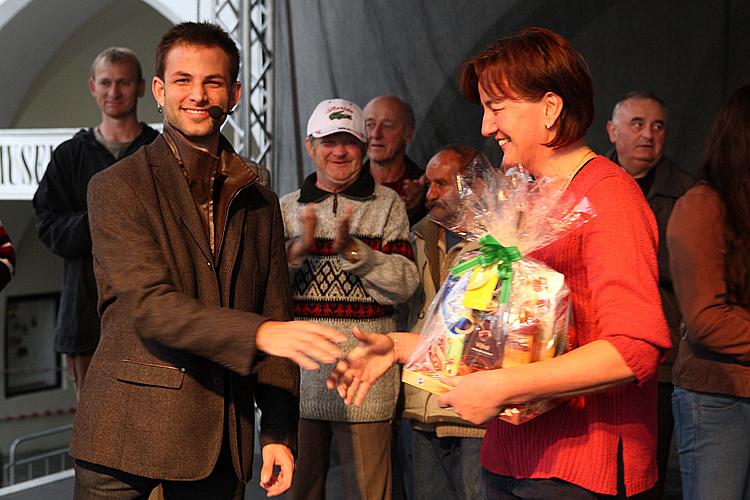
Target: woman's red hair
[[529, 64]]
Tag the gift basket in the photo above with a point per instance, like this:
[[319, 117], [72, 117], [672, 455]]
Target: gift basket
[[499, 308]]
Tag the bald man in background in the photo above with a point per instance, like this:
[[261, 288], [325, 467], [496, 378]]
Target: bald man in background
[[638, 130], [390, 127]]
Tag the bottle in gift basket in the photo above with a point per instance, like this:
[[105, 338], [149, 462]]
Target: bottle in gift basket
[[483, 347], [520, 341], [454, 343]]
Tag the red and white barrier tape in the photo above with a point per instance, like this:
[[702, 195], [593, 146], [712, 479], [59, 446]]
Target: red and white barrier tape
[[36, 414]]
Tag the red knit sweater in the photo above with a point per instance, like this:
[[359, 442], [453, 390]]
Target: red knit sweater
[[610, 266]]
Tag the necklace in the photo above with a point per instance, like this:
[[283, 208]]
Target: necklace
[[588, 155]]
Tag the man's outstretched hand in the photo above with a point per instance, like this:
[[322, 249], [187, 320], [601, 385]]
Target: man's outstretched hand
[[303, 342]]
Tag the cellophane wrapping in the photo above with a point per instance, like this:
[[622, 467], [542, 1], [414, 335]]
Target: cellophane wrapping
[[499, 308]]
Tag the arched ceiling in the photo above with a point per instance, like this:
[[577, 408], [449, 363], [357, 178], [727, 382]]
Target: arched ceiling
[[31, 31]]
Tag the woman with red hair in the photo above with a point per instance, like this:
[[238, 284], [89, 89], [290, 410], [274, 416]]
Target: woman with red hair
[[537, 97]]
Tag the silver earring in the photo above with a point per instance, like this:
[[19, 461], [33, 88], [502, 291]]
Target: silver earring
[[159, 110], [548, 126]]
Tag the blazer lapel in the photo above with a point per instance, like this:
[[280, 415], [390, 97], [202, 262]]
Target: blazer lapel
[[235, 233], [172, 181]]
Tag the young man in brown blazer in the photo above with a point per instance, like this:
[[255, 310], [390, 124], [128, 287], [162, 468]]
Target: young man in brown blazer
[[193, 295]]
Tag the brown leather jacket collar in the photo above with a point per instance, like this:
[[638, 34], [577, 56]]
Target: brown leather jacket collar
[[214, 181]]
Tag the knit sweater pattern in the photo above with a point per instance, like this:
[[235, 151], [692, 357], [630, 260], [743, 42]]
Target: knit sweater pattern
[[332, 291], [610, 266]]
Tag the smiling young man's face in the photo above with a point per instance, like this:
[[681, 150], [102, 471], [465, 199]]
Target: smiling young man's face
[[195, 79]]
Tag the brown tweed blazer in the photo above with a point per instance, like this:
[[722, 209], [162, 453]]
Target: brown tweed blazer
[[177, 362]]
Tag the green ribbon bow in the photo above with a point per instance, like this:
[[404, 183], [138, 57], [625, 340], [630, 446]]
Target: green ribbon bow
[[490, 253]]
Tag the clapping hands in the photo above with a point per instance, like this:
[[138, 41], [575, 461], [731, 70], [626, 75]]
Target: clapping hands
[[343, 241], [308, 219], [413, 193]]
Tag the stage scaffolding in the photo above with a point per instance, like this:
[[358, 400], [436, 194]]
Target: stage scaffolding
[[250, 23]]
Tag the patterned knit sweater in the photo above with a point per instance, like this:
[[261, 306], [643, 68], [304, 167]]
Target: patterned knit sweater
[[340, 294], [7, 257], [610, 266]]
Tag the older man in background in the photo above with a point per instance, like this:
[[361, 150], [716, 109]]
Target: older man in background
[[638, 130], [350, 261], [390, 128], [445, 447]]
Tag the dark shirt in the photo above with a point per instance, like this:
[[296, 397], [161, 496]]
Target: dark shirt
[[412, 172], [451, 239], [647, 181]]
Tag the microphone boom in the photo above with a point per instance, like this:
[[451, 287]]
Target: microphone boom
[[216, 113]]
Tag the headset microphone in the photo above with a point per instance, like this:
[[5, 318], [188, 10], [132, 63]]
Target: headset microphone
[[216, 113]]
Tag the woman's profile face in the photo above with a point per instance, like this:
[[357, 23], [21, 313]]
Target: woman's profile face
[[518, 127]]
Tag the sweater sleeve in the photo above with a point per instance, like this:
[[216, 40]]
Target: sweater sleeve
[[695, 236], [61, 226], [389, 275], [7, 257], [619, 250]]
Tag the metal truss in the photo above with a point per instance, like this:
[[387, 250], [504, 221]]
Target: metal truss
[[250, 23]]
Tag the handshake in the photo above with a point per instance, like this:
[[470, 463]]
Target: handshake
[[477, 397], [308, 344]]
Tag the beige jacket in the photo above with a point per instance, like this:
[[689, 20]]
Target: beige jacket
[[433, 263]]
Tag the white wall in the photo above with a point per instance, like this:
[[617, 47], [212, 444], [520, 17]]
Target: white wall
[[59, 96], [37, 272]]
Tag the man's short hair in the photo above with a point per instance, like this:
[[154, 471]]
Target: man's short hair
[[640, 94], [464, 153], [118, 55], [204, 34]]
